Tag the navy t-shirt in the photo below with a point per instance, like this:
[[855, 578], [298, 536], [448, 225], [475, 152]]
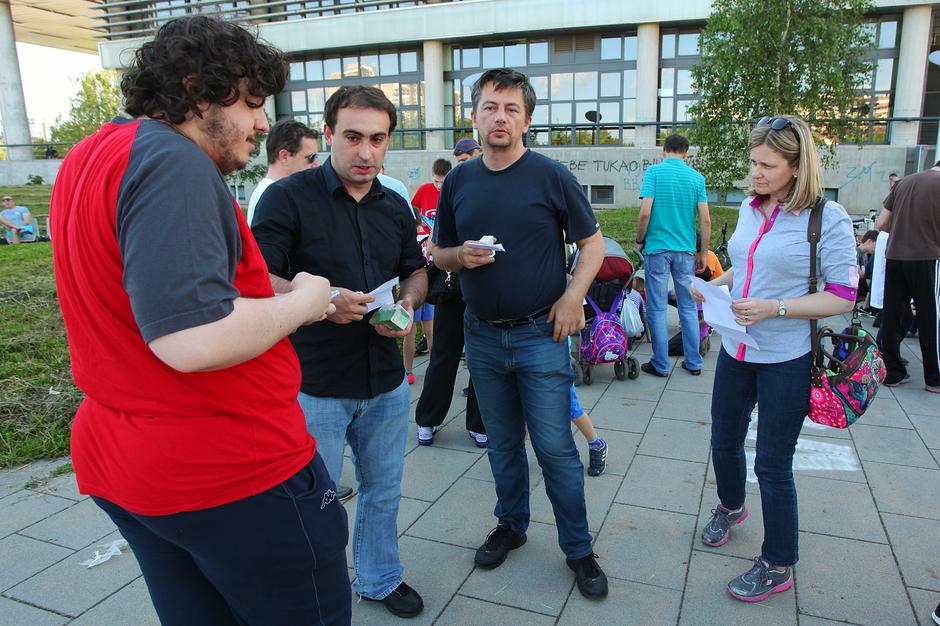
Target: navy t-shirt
[[530, 207]]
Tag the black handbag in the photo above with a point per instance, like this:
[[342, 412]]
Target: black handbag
[[443, 286]]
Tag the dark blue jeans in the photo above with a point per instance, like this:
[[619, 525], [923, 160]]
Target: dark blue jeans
[[278, 557], [781, 393], [523, 379]]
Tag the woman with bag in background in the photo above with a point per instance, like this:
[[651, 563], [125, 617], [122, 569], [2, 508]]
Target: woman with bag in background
[[769, 283]]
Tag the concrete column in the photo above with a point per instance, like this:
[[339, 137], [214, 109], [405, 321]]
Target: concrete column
[[912, 73], [647, 83], [12, 103], [434, 92]]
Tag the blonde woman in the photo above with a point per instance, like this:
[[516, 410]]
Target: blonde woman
[[769, 286]]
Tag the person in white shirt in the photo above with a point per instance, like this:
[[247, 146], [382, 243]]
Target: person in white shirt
[[291, 147]]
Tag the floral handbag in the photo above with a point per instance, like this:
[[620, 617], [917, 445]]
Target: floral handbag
[[847, 374]]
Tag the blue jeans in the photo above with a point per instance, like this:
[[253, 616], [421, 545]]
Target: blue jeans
[[376, 430], [781, 392], [523, 379], [658, 267]]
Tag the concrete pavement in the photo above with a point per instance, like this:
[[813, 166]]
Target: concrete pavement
[[869, 524]]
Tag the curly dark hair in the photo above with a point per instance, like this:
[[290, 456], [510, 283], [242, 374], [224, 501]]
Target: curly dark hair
[[215, 55]]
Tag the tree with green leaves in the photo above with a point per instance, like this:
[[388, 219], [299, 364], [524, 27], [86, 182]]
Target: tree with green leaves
[[97, 101], [774, 57]]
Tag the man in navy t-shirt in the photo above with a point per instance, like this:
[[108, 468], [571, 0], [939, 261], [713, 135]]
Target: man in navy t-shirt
[[520, 311]]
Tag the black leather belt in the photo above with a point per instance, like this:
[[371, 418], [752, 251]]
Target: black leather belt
[[519, 321]]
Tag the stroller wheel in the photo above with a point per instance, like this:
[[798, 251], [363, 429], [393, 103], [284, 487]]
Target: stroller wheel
[[705, 345], [586, 376], [620, 370], [633, 368], [578, 373]]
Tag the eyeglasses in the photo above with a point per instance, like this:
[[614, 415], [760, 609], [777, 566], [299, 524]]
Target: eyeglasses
[[310, 158], [8, 199], [778, 123]]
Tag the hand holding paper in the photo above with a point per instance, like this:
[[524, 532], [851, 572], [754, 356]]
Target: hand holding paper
[[383, 294], [717, 311]]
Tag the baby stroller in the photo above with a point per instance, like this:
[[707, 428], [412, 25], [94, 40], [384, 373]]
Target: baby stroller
[[606, 294]]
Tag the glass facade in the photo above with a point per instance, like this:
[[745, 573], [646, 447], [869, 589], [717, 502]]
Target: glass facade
[[398, 73], [876, 98], [678, 54]]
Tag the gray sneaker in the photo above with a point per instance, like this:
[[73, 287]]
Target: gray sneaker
[[760, 582], [717, 531]]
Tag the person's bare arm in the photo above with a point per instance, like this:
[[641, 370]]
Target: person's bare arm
[[705, 230], [280, 285], [643, 221], [884, 221], [816, 306], [252, 328], [568, 311], [456, 258]]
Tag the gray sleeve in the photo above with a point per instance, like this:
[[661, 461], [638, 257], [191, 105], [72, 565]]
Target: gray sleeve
[[178, 236]]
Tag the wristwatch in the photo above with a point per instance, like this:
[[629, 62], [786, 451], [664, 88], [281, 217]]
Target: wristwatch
[[781, 308]]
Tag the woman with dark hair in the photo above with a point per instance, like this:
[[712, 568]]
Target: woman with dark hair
[[769, 283]]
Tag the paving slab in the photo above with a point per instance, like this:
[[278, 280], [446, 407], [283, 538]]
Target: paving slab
[[676, 439], [25, 507], [599, 492], [928, 427], [625, 414], [891, 445], [838, 508], [627, 604], [71, 588], [21, 557], [827, 458], [74, 527], [533, 577], [885, 411], [15, 479], [904, 490], [916, 545], [620, 455], [464, 611], [433, 569], [429, 471], [19, 614], [810, 620], [832, 572], [682, 380], [924, 604], [707, 602], [666, 484], [646, 545], [63, 486], [131, 606], [914, 400], [685, 405], [463, 516], [646, 387]]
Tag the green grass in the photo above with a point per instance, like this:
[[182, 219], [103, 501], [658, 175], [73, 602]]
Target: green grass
[[33, 197], [37, 395]]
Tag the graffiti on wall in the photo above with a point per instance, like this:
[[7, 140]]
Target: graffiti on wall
[[858, 173]]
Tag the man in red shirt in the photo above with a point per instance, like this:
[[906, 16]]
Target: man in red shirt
[[190, 436], [425, 199]]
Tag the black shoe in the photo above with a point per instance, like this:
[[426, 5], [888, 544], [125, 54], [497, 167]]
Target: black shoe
[[465, 392], [592, 582], [344, 493], [498, 543], [403, 601], [691, 371], [422, 347], [649, 369], [904, 362], [906, 379]]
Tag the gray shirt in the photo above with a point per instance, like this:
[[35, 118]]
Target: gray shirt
[[771, 260]]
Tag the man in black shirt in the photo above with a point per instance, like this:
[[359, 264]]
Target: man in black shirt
[[520, 311], [338, 221]]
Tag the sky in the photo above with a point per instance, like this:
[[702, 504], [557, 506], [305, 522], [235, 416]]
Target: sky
[[50, 79]]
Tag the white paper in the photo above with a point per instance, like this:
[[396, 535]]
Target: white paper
[[479, 245], [383, 294], [717, 312]]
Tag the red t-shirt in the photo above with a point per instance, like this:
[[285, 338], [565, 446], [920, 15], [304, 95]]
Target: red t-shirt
[[147, 241], [425, 200]]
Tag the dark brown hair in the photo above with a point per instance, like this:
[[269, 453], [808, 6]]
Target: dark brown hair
[[286, 135], [359, 97], [505, 78], [441, 167], [213, 54]]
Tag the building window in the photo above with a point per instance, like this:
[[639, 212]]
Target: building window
[[876, 98], [679, 53], [602, 194]]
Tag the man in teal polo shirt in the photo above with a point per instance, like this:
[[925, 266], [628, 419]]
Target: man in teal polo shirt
[[671, 194]]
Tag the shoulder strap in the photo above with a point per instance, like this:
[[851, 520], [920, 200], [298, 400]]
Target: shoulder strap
[[812, 235]]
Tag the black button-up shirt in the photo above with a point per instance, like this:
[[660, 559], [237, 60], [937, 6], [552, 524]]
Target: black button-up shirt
[[307, 222]]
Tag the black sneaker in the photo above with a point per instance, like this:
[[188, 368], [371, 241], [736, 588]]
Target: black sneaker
[[598, 458], [344, 493], [403, 601], [649, 369], [592, 582], [422, 347], [498, 543]]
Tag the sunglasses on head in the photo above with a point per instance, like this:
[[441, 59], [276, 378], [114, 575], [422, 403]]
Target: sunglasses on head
[[310, 158], [778, 123]]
